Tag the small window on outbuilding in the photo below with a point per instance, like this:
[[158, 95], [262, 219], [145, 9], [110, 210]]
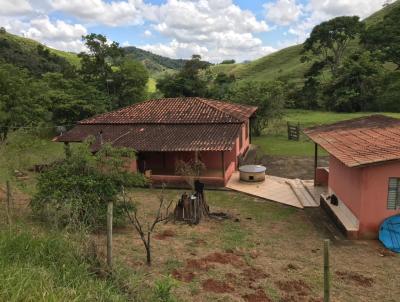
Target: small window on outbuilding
[[393, 202]]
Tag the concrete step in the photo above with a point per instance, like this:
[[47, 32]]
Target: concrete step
[[304, 196]]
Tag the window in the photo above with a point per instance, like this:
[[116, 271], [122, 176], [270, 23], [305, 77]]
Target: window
[[393, 201], [247, 129]]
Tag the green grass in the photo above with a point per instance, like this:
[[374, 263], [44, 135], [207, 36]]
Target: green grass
[[48, 268], [248, 207], [22, 151], [151, 85], [274, 141]]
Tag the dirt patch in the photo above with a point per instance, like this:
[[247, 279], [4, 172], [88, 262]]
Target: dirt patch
[[183, 275], [216, 286], [253, 274], [258, 296], [287, 166], [224, 258], [198, 265], [355, 277], [294, 288], [165, 235]]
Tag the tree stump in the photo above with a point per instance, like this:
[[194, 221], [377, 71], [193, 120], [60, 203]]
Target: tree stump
[[191, 208]]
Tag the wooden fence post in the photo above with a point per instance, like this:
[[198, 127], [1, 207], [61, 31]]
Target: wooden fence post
[[8, 205], [326, 271], [109, 233]]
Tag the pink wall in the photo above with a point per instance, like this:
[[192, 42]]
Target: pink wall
[[375, 192], [364, 191], [346, 183]]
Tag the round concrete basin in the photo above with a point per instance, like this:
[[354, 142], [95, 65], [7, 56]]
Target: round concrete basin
[[252, 173]]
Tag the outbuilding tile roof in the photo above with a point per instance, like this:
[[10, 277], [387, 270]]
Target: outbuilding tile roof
[[361, 141], [173, 124], [182, 110]]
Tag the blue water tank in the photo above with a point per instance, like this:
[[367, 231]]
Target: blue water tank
[[389, 233]]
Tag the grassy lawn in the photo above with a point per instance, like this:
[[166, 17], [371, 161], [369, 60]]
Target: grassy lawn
[[265, 251], [21, 152], [275, 142]]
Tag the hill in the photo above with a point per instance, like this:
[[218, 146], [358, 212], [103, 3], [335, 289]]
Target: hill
[[18, 50], [154, 63], [285, 64], [34, 56]]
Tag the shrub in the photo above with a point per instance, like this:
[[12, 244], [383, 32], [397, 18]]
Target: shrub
[[75, 192]]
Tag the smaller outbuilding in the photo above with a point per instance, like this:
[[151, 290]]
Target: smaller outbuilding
[[363, 178]]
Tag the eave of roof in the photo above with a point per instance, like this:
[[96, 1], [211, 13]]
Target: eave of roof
[[360, 142], [158, 138]]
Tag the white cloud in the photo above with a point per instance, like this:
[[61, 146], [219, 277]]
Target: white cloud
[[14, 7], [147, 33], [57, 34], [112, 13], [242, 51], [283, 12], [318, 11], [215, 29]]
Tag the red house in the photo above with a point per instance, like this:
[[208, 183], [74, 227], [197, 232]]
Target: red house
[[164, 131], [363, 177]]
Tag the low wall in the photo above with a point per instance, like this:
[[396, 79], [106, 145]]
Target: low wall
[[178, 180], [322, 176]]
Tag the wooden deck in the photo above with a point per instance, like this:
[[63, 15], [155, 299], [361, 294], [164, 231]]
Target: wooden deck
[[286, 191]]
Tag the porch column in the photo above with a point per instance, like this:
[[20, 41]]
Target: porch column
[[315, 163], [223, 164]]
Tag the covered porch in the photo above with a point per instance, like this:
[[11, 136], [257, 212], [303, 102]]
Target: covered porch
[[161, 167]]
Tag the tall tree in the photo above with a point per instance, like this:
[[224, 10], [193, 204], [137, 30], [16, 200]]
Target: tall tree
[[187, 82], [384, 37], [269, 97], [329, 41], [357, 86], [21, 102], [96, 64], [129, 83]]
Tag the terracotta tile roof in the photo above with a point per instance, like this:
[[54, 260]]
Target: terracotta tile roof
[[176, 111], [153, 137], [361, 141]]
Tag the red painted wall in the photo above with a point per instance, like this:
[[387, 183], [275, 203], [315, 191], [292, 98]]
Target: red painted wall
[[364, 191], [212, 159]]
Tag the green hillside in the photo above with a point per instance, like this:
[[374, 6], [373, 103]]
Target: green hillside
[[154, 63], [285, 64], [29, 45]]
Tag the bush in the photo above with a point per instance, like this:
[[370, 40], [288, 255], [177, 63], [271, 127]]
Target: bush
[[75, 192]]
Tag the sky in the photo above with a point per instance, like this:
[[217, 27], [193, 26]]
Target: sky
[[215, 29]]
